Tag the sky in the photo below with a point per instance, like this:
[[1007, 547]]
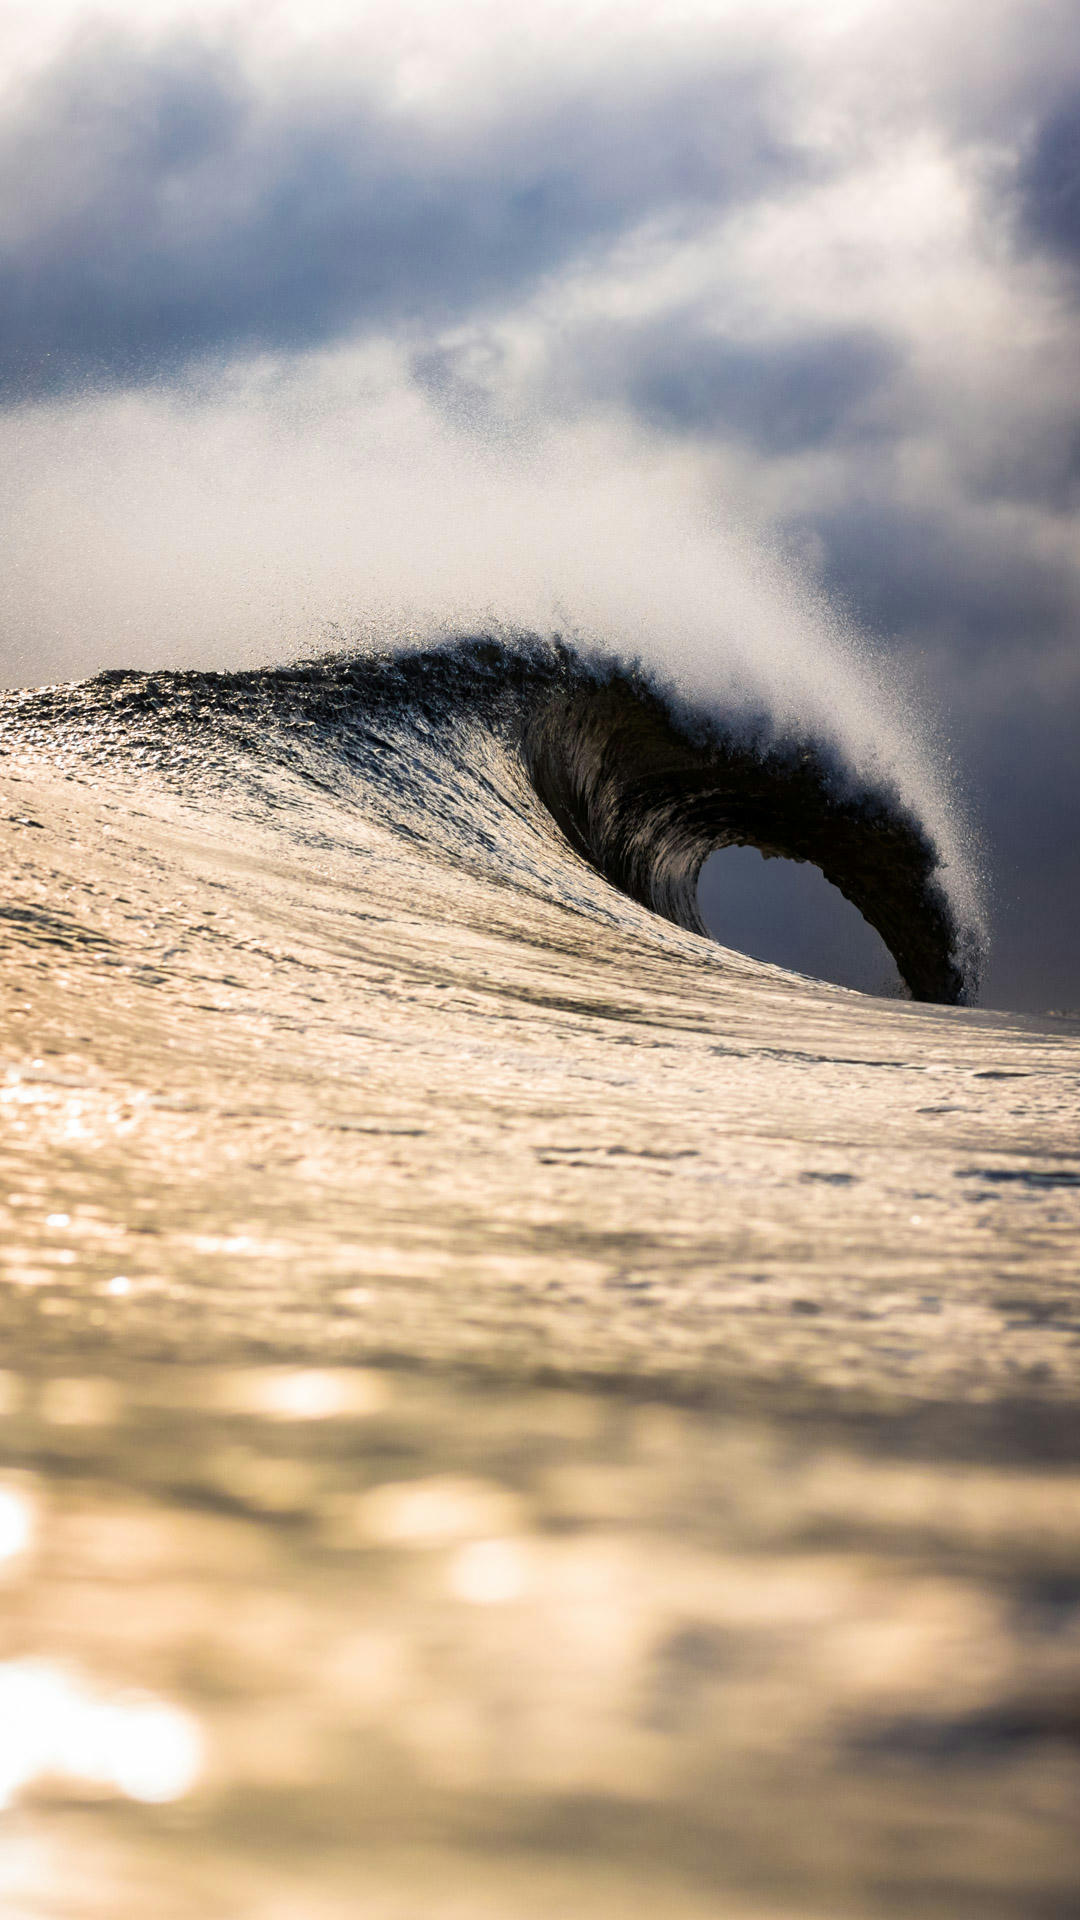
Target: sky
[[307, 309]]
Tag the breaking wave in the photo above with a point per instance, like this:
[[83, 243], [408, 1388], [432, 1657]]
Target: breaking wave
[[475, 746]]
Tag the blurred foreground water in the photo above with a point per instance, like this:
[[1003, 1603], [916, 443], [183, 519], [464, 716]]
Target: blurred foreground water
[[328, 1642]]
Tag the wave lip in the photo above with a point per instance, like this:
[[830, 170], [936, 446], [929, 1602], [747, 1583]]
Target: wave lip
[[646, 794]]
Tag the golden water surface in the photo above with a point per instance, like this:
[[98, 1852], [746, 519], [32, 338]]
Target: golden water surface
[[507, 1409]]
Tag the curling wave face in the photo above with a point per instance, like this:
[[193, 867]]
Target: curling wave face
[[642, 785]]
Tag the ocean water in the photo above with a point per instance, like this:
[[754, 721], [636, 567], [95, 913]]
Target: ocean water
[[509, 1407]]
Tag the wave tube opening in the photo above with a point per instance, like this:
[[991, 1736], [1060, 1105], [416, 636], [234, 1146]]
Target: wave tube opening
[[648, 793], [785, 912]]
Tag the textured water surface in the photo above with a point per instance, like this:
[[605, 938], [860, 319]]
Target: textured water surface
[[508, 1407]]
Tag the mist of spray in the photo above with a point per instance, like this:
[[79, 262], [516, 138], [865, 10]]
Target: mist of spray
[[253, 516]]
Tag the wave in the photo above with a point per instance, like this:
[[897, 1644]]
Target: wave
[[446, 742]]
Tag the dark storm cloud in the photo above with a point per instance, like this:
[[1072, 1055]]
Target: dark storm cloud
[[926, 570], [1020, 761], [779, 396], [988, 624], [1050, 182], [155, 205]]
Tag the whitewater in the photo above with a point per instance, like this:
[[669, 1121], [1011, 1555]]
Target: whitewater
[[509, 1406]]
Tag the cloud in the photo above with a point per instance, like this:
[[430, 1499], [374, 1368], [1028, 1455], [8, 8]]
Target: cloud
[[933, 568], [1049, 182], [809, 262], [982, 608], [158, 204], [780, 395]]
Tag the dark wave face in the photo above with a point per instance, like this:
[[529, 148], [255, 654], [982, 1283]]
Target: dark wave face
[[642, 786], [646, 801]]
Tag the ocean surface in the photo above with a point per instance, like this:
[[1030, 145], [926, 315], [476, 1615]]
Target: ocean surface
[[508, 1407]]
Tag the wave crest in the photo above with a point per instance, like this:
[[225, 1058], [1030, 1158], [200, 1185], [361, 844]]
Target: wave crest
[[643, 786]]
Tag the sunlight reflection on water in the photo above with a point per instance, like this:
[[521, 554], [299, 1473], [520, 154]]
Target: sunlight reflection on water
[[16, 1523], [55, 1724]]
